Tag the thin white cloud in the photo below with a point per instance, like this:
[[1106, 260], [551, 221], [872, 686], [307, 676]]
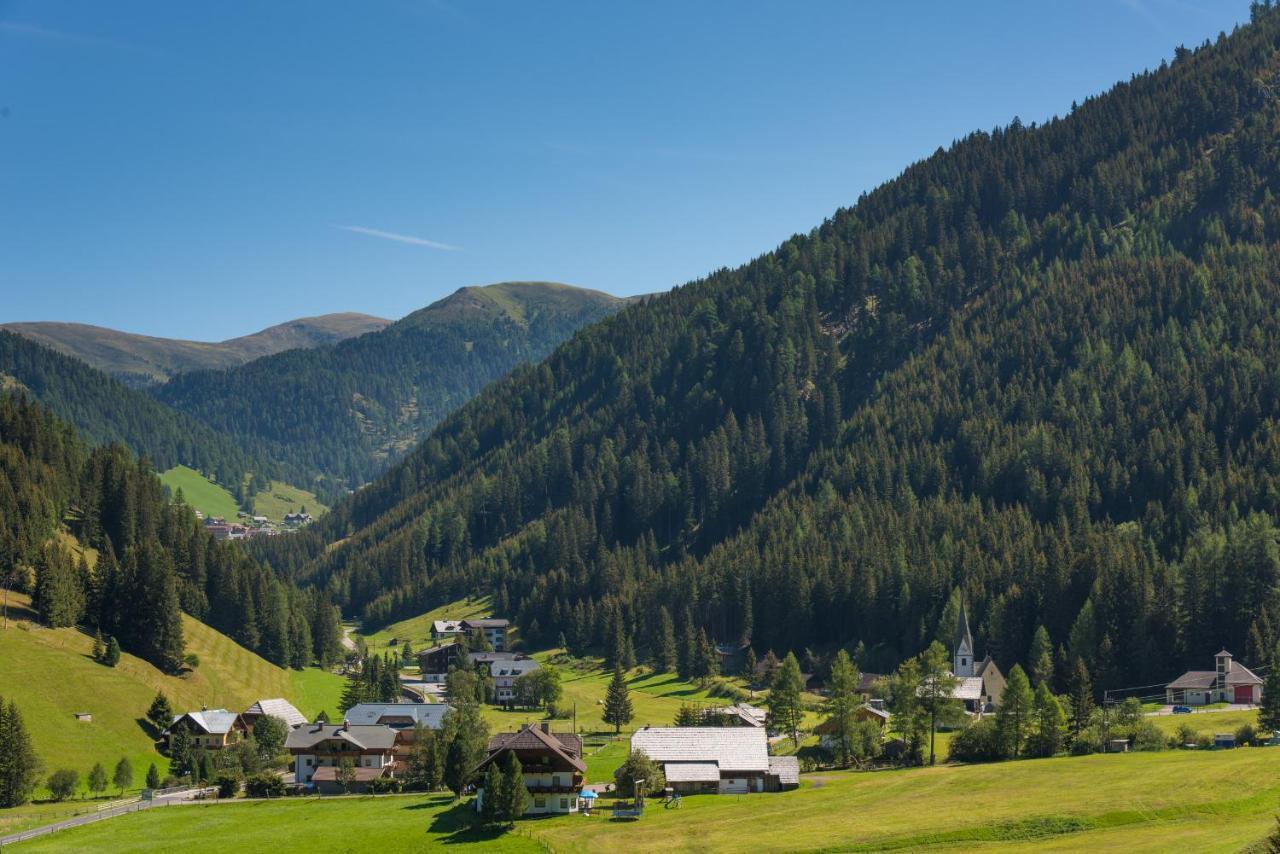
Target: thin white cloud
[[16, 28], [400, 238]]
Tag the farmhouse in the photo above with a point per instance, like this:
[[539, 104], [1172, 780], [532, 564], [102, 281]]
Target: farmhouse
[[212, 729], [403, 719], [505, 674], [981, 682], [552, 762], [1229, 682], [446, 629], [715, 760], [433, 663], [318, 750], [740, 714], [828, 733], [493, 629], [276, 708]]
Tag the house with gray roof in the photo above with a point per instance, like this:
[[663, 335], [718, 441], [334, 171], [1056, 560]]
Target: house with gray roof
[[275, 708], [552, 766], [1228, 682], [212, 729], [505, 674], [713, 760], [319, 749]]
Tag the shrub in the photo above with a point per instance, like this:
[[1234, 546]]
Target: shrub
[[63, 783], [1246, 735], [383, 786], [264, 785], [228, 785], [1186, 735], [1147, 736], [978, 742], [639, 767]]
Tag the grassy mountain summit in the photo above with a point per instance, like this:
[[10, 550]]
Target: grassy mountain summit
[[342, 412], [142, 359], [1038, 368]]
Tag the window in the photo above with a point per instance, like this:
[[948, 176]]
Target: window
[[555, 780], [540, 801], [564, 803], [309, 761]]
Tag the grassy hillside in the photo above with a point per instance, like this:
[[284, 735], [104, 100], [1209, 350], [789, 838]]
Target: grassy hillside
[[211, 499], [142, 359], [51, 675], [283, 498], [1137, 802]]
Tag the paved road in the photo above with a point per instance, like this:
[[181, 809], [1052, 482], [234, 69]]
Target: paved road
[[88, 818]]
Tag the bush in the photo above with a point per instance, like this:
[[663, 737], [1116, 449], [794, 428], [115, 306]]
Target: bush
[[978, 742], [228, 785], [1246, 736], [1186, 735], [1147, 736], [384, 786], [1087, 742], [639, 767], [63, 783], [264, 785]]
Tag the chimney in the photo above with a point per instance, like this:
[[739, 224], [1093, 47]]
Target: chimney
[[346, 725]]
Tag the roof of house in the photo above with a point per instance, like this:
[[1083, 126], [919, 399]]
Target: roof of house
[[375, 737], [446, 626], [515, 667], [980, 669], [329, 774], [828, 727], [565, 746], [748, 714], [1206, 679], [968, 688], [731, 748], [438, 648], [963, 635], [867, 682], [786, 769], [692, 772], [397, 715], [212, 721], [489, 657], [486, 623], [278, 708]]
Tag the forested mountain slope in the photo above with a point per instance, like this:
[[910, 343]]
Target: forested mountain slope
[[342, 412], [104, 410], [140, 360], [155, 559], [1039, 367]]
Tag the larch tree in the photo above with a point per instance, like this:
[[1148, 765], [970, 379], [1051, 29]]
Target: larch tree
[[1014, 716], [842, 705], [785, 701]]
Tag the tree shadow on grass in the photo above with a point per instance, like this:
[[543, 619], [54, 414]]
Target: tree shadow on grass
[[460, 825]]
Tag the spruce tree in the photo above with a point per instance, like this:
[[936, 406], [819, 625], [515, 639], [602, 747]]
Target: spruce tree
[[153, 776], [99, 648], [160, 713], [516, 799], [111, 657], [1081, 710], [665, 658], [688, 716], [1014, 716], [749, 665], [617, 702], [19, 765], [492, 808], [785, 701], [1269, 710], [1040, 657]]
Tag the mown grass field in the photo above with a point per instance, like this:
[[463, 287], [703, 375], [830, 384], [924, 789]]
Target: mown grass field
[[282, 498], [1142, 802], [200, 493], [417, 630], [1207, 723], [51, 675]]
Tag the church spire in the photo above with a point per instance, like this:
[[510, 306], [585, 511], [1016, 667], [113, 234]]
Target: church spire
[[962, 663]]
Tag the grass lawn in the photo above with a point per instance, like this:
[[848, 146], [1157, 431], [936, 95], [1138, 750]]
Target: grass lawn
[[282, 498], [314, 690], [1206, 723], [1219, 801], [51, 674], [417, 630], [200, 492]]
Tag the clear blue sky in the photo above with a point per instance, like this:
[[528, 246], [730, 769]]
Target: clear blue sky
[[187, 170]]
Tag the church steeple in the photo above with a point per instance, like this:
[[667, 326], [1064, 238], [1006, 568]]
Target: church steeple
[[962, 659]]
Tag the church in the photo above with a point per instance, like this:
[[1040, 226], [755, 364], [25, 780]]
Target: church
[[981, 682]]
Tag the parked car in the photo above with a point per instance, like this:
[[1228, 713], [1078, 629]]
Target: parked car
[[1182, 710]]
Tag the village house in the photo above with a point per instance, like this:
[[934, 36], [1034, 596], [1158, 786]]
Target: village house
[[318, 750], [212, 729], [1229, 682], [494, 631], [740, 714], [716, 760], [828, 734], [433, 663], [446, 630], [981, 683], [275, 708], [403, 719], [505, 674], [487, 658], [552, 764], [730, 656]]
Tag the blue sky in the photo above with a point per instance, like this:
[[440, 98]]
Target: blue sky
[[205, 170]]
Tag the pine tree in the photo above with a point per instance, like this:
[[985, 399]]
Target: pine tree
[[97, 779], [1269, 711], [353, 694], [749, 664], [160, 712], [492, 808], [1040, 657], [842, 705], [19, 765], [153, 776], [1081, 711], [665, 659], [785, 701], [708, 663], [687, 651], [123, 775], [617, 702], [1013, 718], [516, 796]]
